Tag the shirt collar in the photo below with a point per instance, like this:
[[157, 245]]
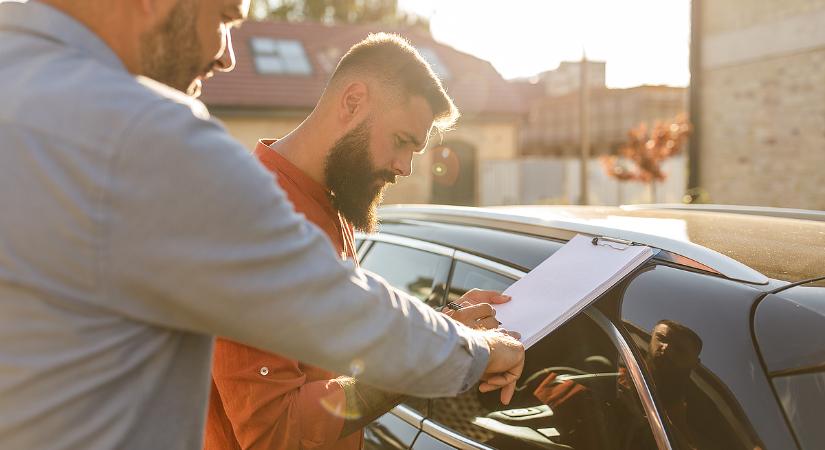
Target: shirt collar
[[45, 21], [276, 162]]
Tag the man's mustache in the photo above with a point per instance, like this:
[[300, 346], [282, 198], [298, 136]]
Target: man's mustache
[[386, 176]]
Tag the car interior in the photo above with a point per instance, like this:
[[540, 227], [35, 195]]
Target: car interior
[[573, 395]]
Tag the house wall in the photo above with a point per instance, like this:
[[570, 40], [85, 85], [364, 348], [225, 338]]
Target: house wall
[[762, 102]]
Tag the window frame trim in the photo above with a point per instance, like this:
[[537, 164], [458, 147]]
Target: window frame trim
[[409, 242], [408, 415], [447, 436]]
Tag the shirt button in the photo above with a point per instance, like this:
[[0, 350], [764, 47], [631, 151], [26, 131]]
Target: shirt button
[[264, 371]]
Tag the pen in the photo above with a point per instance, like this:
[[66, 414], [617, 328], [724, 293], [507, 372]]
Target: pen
[[454, 306]]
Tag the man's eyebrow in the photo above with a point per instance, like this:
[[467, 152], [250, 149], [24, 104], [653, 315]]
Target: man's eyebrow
[[411, 138]]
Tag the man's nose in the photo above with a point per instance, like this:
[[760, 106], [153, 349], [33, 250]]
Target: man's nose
[[403, 165], [226, 60]]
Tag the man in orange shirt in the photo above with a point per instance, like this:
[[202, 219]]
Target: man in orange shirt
[[377, 111]]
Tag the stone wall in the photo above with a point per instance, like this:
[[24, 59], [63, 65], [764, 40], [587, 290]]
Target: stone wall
[[762, 103]]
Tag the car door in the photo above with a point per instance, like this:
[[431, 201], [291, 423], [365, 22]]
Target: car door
[[579, 389], [420, 269]]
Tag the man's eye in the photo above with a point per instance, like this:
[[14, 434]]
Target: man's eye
[[400, 142]]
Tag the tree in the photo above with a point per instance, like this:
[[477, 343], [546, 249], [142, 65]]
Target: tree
[[641, 158], [337, 11]]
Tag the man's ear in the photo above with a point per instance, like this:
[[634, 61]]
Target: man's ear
[[353, 101]]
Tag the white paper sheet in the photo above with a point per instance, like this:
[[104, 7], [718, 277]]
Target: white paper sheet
[[566, 283]]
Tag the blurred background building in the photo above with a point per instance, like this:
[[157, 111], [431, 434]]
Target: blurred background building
[[552, 125], [758, 102], [756, 99]]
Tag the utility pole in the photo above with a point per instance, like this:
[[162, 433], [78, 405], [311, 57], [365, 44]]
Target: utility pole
[[584, 128]]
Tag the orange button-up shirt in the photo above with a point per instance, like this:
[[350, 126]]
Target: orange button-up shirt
[[261, 400]]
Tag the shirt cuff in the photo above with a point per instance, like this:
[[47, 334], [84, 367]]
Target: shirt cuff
[[477, 346]]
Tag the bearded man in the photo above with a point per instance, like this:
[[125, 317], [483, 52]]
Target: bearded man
[[134, 229], [377, 111]]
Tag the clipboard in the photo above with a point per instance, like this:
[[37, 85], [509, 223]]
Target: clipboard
[[567, 282]]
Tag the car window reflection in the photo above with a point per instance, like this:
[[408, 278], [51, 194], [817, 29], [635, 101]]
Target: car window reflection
[[698, 411]]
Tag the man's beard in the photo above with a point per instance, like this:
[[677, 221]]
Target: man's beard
[[357, 187], [170, 52]]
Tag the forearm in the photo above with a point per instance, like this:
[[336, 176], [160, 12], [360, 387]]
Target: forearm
[[364, 403]]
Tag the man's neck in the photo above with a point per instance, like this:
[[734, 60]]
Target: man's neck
[[306, 147]]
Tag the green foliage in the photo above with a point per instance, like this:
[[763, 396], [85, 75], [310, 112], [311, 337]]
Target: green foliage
[[337, 11]]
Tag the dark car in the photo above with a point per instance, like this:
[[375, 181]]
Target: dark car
[[718, 342]]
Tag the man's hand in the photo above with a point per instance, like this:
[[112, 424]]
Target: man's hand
[[505, 365], [476, 310]]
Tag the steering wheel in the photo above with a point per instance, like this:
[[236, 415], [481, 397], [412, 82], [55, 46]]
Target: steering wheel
[[561, 370]]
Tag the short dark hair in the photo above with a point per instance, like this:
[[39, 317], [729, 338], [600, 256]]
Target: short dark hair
[[391, 60], [679, 328]]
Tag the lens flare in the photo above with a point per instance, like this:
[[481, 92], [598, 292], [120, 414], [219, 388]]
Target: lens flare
[[356, 367], [338, 408]]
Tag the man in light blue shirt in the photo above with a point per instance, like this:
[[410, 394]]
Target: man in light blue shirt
[[133, 229]]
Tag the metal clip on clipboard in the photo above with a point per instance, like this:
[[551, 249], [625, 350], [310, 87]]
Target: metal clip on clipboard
[[604, 240]]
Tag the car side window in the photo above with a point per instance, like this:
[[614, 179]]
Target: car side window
[[419, 273], [574, 392], [466, 277], [689, 343]]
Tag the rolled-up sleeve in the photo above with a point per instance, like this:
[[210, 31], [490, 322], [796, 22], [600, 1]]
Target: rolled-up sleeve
[[197, 236], [269, 403]]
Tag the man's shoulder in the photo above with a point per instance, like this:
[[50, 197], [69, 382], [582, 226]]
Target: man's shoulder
[[164, 95], [75, 97]]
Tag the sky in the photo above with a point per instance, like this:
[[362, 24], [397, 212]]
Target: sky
[[642, 41]]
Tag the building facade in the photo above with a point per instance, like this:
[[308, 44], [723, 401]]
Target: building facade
[[758, 102]]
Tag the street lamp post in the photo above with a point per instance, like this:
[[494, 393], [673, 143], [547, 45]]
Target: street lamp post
[[584, 128]]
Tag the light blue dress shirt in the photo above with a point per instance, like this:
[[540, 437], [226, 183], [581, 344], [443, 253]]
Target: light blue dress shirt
[[133, 228]]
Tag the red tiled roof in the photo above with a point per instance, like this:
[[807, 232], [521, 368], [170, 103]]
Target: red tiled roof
[[474, 84]]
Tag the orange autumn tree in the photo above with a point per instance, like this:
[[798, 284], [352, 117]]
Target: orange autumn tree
[[640, 159]]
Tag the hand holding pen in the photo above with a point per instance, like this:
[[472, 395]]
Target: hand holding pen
[[475, 310]]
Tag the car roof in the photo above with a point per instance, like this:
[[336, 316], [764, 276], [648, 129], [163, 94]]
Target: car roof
[[747, 247]]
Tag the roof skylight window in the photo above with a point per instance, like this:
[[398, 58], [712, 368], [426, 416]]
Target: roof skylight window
[[280, 57]]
